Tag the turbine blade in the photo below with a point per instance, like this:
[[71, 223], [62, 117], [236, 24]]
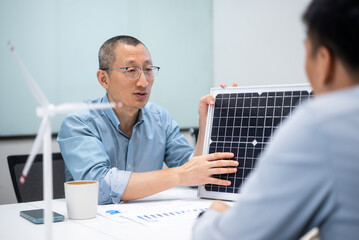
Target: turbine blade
[[36, 91], [35, 148], [68, 107]]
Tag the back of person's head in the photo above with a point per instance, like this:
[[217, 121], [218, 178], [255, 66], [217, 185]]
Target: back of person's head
[[106, 55], [334, 24]]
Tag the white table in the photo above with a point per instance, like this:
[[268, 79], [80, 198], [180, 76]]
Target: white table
[[12, 226]]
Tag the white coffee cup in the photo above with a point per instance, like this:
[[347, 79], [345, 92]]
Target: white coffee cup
[[81, 199]]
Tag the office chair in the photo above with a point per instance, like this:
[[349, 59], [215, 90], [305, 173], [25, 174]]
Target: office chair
[[194, 134], [32, 189]]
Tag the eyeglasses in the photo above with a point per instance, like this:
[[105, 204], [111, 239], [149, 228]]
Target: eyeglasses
[[134, 73]]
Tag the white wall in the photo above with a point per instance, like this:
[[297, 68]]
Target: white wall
[[258, 42]]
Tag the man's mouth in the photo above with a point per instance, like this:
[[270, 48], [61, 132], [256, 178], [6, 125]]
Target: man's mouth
[[141, 95]]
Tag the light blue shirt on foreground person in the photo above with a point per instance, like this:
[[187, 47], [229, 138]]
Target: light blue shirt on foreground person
[[308, 177], [94, 137]]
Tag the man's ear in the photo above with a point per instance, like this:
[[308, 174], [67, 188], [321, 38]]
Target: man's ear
[[103, 78], [325, 66]]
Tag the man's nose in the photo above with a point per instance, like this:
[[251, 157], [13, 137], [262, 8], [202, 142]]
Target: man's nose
[[142, 80]]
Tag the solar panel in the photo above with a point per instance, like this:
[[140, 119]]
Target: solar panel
[[242, 121]]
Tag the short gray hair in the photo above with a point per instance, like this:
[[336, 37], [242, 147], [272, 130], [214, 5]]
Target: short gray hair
[[107, 56]]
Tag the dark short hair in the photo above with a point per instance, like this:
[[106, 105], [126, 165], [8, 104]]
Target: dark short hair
[[334, 24], [107, 56]]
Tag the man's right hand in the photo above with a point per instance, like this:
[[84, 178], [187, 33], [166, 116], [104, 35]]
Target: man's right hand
[[200, 170]]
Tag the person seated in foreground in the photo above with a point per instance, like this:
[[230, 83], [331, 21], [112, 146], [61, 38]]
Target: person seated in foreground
[[308, 176]]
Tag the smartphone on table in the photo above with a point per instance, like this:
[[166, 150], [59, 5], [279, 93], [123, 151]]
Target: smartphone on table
[[37, 216]]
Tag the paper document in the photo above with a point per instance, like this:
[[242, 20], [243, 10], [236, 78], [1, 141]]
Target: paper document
[[158, 213]]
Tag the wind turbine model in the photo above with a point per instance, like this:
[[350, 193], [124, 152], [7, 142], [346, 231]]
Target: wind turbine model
[[46, 111]]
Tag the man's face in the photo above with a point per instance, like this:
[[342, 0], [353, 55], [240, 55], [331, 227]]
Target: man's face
[[133, 94]]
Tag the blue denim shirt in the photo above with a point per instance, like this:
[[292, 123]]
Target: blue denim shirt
[[94, 148]]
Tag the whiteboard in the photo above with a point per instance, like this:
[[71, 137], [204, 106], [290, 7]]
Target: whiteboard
[[59, 43]]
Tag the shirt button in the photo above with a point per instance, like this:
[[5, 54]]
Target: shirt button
[[129, 165]]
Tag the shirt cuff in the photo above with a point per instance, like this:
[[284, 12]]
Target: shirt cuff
[[113, 185]]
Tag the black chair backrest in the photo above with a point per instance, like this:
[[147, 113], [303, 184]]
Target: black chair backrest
[[194, 133], [32, 189]]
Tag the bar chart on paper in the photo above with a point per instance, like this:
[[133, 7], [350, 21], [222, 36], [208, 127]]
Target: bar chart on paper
[[175, 212]]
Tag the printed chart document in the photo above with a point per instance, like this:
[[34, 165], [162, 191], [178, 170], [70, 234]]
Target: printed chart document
[[176, 212]]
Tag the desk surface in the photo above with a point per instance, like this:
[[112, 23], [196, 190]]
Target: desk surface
[[12, 226], [15, 227]]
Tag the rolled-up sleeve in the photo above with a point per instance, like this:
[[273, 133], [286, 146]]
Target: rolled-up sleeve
[[86, 159]]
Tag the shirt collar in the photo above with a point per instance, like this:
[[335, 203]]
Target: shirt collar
[[140, 116]]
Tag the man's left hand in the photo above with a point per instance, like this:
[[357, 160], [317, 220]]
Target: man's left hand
[[205, 102], [219, 206]]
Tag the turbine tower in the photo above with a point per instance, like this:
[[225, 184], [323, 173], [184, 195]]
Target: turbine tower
[[46, 111]]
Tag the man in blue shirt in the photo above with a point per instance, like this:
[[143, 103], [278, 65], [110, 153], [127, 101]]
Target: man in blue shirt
[[124, 148], [308, 176]]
